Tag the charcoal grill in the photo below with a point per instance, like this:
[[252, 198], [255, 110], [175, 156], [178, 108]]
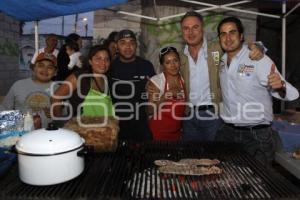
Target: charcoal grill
[[130, 173]]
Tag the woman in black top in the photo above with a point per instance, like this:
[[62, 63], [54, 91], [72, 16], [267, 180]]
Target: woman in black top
[[63, 58]]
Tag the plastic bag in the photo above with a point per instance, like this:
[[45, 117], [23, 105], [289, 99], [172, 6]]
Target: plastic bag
[[11, 127]]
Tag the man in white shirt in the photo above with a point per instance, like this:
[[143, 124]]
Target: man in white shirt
[[72, 49], [200, 61], [247, 90], [51, 43]]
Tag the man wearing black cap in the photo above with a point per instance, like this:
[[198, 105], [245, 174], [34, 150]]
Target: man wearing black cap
[[128, 76]]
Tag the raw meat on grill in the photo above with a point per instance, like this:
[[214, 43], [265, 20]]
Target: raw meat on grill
[[189, 170], [203, 161], [189, 166], [168, 162], [188, 161]]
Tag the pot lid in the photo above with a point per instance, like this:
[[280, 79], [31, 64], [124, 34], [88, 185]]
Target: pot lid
[[49, 141]]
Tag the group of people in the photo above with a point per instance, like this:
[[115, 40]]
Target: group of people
[[208, 91]]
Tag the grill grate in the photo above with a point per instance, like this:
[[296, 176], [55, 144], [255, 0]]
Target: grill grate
[[130, 174]]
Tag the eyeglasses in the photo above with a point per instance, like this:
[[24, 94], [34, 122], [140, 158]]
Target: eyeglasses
[[166, 50]]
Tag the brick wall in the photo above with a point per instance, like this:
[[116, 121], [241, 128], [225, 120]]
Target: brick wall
[[9, 53], [106, 21]]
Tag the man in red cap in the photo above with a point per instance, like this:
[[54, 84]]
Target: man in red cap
[[33, 94]]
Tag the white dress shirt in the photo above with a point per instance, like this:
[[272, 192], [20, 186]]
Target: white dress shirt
[[75, 60], [199, 78], [159, 81], [247, 99]]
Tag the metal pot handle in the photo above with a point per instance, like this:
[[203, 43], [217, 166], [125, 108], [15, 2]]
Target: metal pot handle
[[52, 127], [86, 151]]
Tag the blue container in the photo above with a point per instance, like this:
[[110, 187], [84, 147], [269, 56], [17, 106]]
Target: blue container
[[6, 160]]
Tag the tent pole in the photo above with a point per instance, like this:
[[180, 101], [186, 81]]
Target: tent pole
[[181, 14], [63, 26], [136, 15], [76, 21], [155, 10], [36, 36], [292, 10], [283, 53], [249, 12]]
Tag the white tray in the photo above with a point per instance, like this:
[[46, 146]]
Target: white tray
[[291, 164]]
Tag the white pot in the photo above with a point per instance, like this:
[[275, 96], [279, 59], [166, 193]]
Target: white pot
[[49, 156]]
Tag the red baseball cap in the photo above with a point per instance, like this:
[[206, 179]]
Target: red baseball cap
[[46, 56]]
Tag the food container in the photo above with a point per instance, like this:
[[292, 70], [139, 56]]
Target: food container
[[101, 133], [50, 156]]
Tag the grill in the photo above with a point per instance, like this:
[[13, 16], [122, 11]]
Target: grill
[[130, 173]]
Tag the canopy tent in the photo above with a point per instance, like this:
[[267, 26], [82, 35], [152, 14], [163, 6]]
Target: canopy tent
[[33, 10]]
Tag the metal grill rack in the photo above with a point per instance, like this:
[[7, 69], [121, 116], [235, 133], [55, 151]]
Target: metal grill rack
[[130, 173]]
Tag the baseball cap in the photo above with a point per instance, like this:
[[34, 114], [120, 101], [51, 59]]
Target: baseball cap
[[46, 56], [125, 34]]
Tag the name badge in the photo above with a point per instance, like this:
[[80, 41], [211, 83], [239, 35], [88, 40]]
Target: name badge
[[216, 57], [245, 70]]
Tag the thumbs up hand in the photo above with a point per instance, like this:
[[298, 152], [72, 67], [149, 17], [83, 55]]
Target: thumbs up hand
[[274, 79]]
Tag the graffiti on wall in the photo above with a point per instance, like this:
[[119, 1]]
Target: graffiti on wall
[[168, 33], [9, 48], [165, 32], [210, 25], [26, 54]]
